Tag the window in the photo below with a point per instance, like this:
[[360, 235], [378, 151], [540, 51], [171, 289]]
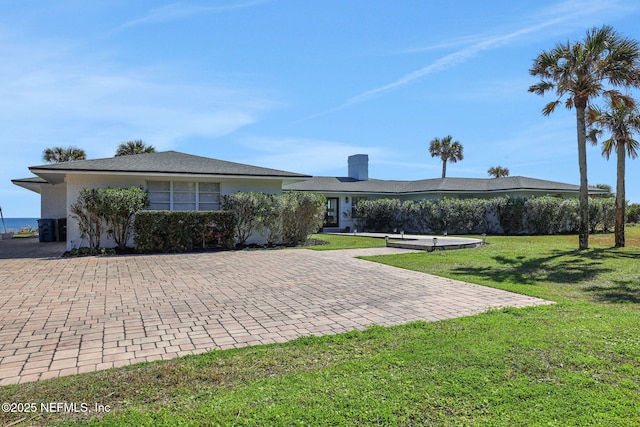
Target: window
[[183, 195], [159, 195], [354, 204]]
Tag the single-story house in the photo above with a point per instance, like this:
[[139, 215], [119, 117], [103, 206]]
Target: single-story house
[[179, 181], [343, 193], [175, 181]]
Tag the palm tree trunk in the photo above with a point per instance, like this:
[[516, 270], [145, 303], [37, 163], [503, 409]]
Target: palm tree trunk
[[444, 168], [583, 228], [620, 196]]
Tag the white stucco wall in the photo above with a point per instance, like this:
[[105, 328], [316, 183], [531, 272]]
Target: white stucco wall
[[53, 201], [269, 186]]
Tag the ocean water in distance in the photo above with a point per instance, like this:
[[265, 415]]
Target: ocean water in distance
[[15, 224]]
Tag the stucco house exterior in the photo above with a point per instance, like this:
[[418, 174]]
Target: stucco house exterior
[[343, 193], [175, 181]]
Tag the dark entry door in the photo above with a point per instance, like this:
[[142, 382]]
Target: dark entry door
[[331, 219]]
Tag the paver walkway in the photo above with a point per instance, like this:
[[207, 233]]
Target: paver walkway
[[61, 316]]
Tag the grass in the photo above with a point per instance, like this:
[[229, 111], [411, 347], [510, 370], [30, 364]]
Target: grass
[[575, 363], [334, 242]]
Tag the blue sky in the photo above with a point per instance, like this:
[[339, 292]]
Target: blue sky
[[295, 85]]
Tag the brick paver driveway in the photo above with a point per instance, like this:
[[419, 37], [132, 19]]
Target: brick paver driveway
[[61, 316]]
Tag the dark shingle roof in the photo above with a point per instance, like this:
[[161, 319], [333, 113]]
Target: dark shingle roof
[[437, 185], [30, 180], [165, 162]]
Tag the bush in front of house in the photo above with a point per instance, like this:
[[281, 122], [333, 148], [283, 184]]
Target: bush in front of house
[[302, 215], [110, 207], [271, 219], [288, 219], [502, 215], [424, 216], [119, 206], [86, 212], [249, 209], [463, 216], [180, 231], [421, 216], [384, 215]]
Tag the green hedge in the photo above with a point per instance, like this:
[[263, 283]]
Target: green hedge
[[288, 219], [180, 231], [503, 215]]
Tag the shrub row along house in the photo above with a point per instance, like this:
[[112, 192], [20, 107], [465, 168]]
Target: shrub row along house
[[179, 181], [344, 193]]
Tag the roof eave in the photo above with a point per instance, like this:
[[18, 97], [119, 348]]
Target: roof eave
[[29, 185]]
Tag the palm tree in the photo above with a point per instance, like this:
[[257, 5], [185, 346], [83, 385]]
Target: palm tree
[[134, 147], [447, 151], [61, 154], [621, 120], [579, 71], [498, 171]]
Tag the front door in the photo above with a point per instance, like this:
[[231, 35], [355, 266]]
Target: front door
[[331, 219]]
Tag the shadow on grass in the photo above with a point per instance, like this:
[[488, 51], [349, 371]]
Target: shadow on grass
[[623, 291], [559, 267]]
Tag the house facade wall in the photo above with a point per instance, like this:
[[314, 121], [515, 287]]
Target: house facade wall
[[53, 201], [60, 200]]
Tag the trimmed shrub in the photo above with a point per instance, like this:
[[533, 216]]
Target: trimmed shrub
[[249, 208], [180, 231], [114, 207], [504, 215], [302, 215], [510, 214], [383, 215], [119, 205], [422, 216], [87, 212], [463, 215], [270, 221]]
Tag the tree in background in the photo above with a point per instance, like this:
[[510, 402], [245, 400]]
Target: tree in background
[[498, 171], [134, 147], [607, 188], [61, 154], [621, 120], [447, 150], [579, 71]]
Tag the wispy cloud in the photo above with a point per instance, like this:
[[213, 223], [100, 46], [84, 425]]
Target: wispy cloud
[[175, 11], [559, 14], [61, 100]]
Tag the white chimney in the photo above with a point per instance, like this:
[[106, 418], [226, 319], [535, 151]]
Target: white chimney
[[359, 167]]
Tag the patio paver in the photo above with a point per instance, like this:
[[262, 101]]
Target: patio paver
[[61, 316]]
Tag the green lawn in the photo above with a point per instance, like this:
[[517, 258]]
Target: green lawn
[[334, 241], [574, 363]]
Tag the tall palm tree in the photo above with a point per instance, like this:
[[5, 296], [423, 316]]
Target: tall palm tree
[[579, 71], [61, 154], [447, 150], [134, 147], [621, 119], [498, 171]]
